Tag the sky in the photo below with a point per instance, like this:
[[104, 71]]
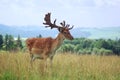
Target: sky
[[80, 13]]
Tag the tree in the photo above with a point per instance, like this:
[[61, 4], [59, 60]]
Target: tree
[[95, 51], [19, 42], [39, 36], [77, 48], [6, 42], [10, 42], [66, 48], [87, 43], [1, 41]]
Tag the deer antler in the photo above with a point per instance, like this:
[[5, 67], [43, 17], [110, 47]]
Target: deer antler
[[48, 21], [53, 25], [66, 25]]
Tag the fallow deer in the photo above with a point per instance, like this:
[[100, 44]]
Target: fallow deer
[[44, 48]]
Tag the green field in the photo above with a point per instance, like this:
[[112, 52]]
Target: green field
[[65, 67]]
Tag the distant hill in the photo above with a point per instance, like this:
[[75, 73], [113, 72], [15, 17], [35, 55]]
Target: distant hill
[[33, 31], [106, 33]]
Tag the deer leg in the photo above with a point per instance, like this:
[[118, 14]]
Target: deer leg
[[51, 58], [32, 59], [31, 62], [44, 62]]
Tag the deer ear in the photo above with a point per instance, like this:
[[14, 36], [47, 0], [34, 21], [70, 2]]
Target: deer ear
[[60, 29]]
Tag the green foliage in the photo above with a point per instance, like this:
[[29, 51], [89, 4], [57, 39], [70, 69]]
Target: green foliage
[[67, 48], [19, 42], [92, 46], [1, 41], [8, 43]]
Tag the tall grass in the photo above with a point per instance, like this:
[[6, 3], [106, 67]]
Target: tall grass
[[65, 67]]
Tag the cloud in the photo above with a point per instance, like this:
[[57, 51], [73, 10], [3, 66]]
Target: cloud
[[83, 12], [107, 3]]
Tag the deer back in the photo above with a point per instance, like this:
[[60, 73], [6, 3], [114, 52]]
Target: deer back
[[40, 45]]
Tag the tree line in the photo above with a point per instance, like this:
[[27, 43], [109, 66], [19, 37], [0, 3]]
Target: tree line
[[92, 46], [77, 46], [8, 43]]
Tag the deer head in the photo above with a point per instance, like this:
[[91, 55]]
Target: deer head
[[63, 29]]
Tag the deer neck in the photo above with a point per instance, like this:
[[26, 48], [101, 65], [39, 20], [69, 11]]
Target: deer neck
[[58, 41]]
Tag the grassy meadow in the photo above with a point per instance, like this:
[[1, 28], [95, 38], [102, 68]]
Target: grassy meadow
[[65, 67]]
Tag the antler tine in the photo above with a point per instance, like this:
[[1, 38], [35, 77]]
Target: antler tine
[[63, 23], [55, 21], [48, 21], [67, 26], [71, 27]]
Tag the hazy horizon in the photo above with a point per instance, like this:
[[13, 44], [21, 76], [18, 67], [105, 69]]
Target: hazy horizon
[[80, 13]]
